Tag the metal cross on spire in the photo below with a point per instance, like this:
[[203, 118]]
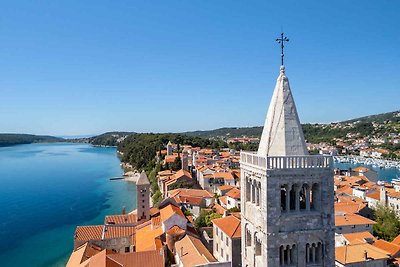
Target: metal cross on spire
[[282, 41]]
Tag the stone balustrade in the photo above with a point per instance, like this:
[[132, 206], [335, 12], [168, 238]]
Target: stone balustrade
[[287, 162]]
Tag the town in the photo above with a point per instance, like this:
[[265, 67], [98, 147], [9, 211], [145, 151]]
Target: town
[[279, 206]]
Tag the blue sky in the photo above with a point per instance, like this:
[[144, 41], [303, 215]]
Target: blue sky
[[86, 67]]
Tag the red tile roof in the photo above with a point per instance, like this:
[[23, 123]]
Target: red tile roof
[[139, 259], [230, 225], [89, 232], [120, 219], [234, 193], [170, 210]]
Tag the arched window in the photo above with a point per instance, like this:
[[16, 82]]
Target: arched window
[[257, 241], [293, 197], [287, 255], [248, 237], [284, 192], [315, 197], [248, 189]]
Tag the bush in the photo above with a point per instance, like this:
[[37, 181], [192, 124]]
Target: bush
[[205, 218]]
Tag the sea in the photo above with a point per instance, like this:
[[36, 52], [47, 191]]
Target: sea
[[46, 190], [384, 174]]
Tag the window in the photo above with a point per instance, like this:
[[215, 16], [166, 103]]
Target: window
[[227, 241], [227, 257], [142, 195], [216, 247], [222, 252], [222, 236], [143, 200], [143, 207], [216, 231], [126, 249]]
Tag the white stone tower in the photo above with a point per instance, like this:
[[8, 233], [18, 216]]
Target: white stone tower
[[143, 197], [169, 148], [287, 195]]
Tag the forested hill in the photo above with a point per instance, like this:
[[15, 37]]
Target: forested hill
[[379, 118], [228, 132], [9, 139], [105, 139], [374, 125]]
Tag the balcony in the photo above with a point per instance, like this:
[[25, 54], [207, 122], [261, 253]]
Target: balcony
[[288, 162]]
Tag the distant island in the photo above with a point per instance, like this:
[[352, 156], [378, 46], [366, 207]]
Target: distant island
[[10, 139]]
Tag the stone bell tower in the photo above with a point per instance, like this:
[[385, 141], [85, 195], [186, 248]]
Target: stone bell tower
[[143, 197], [287, 195]]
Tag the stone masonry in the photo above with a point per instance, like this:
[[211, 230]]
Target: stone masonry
[[287, 195]]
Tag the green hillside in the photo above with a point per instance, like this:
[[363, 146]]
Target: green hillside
[[9, 139]]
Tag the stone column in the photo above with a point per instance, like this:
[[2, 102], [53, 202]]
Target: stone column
[[313, 249], [307, 198]]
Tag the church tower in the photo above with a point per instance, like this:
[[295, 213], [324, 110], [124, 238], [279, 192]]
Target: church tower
[[143, 197], [287, 195]]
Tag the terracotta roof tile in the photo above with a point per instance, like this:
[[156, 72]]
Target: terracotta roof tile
[[89, 232], [121, 219], [230, 225], [351, 219], [170, 210], [192, 252], [355, 253], [392, 248], [139, 259], [234, 193], [118, 231], [359, 237]]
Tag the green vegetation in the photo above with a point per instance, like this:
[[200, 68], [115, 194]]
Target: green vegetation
[[388, 224], [108, 139], [205, 218], [228, 132], [381, 118], [16, 139], [315, 133], [183, 184], [234, 209], [140, 150], [155, 190]]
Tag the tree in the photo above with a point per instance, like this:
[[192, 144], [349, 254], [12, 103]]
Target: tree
[[157, 198], [177, 164], [205, 218], [387, 224]]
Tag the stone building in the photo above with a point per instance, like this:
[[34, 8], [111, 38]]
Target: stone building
[[143, 197], [227, 240], [287, 203]]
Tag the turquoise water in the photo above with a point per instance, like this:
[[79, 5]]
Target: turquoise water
[[384, 174], [47, 190]]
